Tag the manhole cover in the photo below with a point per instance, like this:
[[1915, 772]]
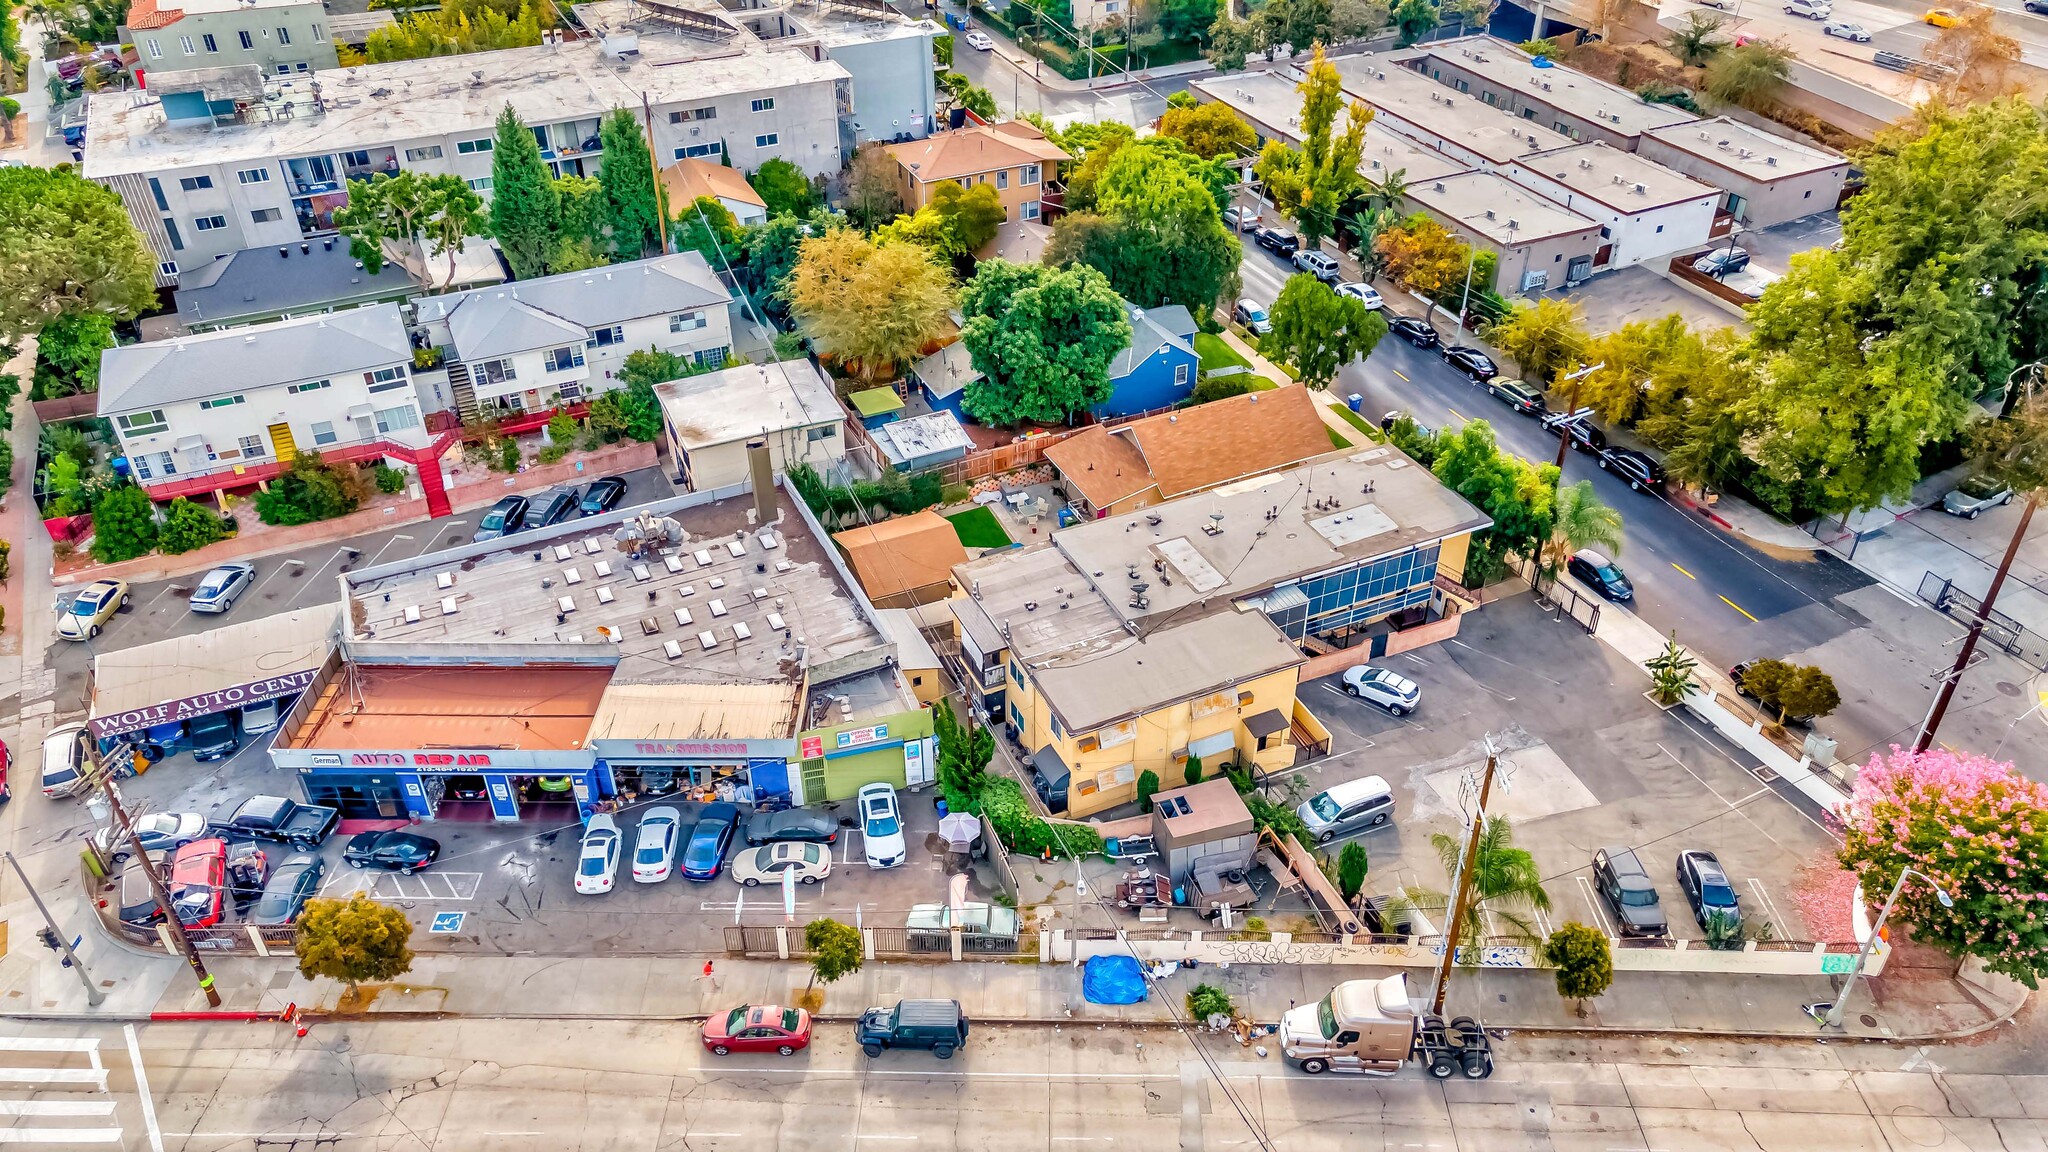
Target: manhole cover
[[2007, 688], [1868, 1020]]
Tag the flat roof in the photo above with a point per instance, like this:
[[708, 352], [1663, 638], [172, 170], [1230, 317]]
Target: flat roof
[[128, 679], [696, 712], [1136, 674], [1567, 89], [1621, 180], [749, 400], [1322, 517], [1273, 106], [384, 104], [1034, 602], [534, 708], [1498, 209], [1753, 152], [795, 610], [921, 436], [1443, 112]]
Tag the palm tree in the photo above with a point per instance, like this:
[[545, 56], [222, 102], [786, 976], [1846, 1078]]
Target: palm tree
[[1580, 520], [1697, 40], [1387, 193], [1507, 889]]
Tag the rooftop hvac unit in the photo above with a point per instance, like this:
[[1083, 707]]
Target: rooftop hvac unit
[[1642, 189], [1771, 161], [1489, 213], [1513, 223]]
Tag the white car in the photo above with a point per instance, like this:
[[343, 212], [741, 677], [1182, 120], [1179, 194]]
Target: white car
[[1390, 690], [980, 42], [158, 831], [1363, 293], [1854, 33], [881, 826], [599, 861], [64, 762], [766, 864], [219, 589], [654, 852]]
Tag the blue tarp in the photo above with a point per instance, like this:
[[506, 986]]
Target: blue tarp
[[1112, 980]]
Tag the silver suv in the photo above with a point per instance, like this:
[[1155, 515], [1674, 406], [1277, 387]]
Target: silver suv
[[1320, 265]]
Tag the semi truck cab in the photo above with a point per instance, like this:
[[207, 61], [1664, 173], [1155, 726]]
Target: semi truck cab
[[1369, 1027]]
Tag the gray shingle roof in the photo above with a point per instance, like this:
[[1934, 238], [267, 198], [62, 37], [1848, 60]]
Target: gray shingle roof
[[532, 314], [141, 376], [1151, 328], [259, 282]]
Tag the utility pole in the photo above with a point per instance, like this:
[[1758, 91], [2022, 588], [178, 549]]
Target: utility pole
[[1458, 899], [1571, 397], [1947, 690], [93, 995], [175, 926]]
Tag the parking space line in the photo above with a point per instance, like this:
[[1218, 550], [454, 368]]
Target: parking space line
[[1596, 906], [1696, 776], [433, 537], [1769, 906], [275, 573]]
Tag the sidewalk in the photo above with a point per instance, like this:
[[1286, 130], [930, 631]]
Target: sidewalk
[[991, 991]]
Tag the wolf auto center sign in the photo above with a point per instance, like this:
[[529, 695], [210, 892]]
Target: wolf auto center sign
[[206, 703]]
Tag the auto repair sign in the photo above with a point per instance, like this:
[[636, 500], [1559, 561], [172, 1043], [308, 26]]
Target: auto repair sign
[[204, 704]]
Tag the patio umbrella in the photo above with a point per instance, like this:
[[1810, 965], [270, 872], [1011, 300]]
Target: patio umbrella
[[959, 830]]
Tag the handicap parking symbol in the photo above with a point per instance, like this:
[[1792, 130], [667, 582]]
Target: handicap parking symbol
[[447, 922]]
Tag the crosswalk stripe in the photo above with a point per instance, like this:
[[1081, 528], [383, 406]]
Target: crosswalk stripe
[[56, 1107], [72, 1137]]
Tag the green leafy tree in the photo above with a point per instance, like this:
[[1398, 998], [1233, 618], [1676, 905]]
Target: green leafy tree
[[1168, 244], [1584, 966], [123, 525], [942, 51], [432, 214], [1295, 23], [1186, 20], [1698, 40], [68, 354], [971, 215], [1310, 183], [632, 204], [783, 187], [1043, 339], [1422, 256], [1148, 787], [1231, 41], [1210, 131], [1317, 332], [1546, 337], [1351, 869], [9, 106], [1095, 149], [964, 750], [525, 207], [1624, 361], [770, 249], [1518, 495], [1193, 772], [872, 198], [836, 950], [1749, 75], [1807, 692], [707, 228], [868, 306], [1415, 19], [1764, 678], [355, 941], [1506, 889], [455, 29], [1581, 521], [187, 526], [70, 250]]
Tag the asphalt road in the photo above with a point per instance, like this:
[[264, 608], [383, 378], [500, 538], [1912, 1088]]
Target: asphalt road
[[286, 580], [1726, 598], [448, 1086]]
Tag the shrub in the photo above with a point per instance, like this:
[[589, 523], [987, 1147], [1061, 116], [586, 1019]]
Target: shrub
[[188, 526], [124, 525], [1278, 819], [1351, 869], [1207, 1000], [562, 429], [789, 345], [1194, 769], [1671, 672], [353, 941], [1148, 786], [389, 479], [1585, 966], [1002, 801], [508, 456], [308, 491]]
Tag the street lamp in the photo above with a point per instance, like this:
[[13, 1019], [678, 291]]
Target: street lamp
[[1841, 1004]]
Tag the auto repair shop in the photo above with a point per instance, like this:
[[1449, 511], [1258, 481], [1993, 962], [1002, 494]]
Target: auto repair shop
[[149, 694], [389, 731], [728, 742]]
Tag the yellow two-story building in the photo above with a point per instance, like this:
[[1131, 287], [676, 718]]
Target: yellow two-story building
[[1013, 157]]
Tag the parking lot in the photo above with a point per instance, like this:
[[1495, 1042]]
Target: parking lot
[[513, 884]]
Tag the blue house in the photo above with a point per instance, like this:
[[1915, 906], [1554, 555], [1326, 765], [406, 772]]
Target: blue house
[[943, 377], [1159, 369]]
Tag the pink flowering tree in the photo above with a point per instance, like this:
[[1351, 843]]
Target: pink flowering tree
[[1975, 826]]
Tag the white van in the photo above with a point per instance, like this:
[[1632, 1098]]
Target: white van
[[1348, 808]]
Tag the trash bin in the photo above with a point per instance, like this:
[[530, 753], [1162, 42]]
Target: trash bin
[[1355, 401]]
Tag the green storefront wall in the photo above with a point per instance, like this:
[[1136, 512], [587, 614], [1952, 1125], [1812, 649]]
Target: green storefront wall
[[828, 773]]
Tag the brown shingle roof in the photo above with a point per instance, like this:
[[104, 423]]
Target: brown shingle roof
[[1215, 443], [1104, 466], [970, 151], [144, 14], [689, 178], [902, 555]]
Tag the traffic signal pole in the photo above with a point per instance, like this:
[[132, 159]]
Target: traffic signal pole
[[55, 938], [172, 924]]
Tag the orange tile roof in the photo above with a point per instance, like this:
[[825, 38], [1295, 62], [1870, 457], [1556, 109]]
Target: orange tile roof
[[144, 14], [1215, 443], [971, 151], [689, 178], [902, 555], [1104, 466]]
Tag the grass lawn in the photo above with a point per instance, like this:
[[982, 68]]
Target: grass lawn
[[1217, 354], [1371, 430], [1337, 439], [978, 528]]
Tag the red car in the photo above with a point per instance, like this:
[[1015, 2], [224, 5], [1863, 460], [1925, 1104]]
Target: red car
[[6, 762], [199, 882], [758, 1028]]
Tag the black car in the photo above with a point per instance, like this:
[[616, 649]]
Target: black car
[[468, 786], [1721, 261], [561, 506], [1707, 889], [791, 824], [296, 881], [1627, 889], [704, 853], [1522, 397], [1580, 429], [2039, 7], [937, 1025], [1635, 467], [400, 850], [1471, 361], [1414, 330], [1600, 574], [1278, 240], [505, 517], [603, 495]]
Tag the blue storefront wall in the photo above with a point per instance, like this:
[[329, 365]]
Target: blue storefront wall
[[411, 769], [1361, 594], [766, 761], [1166, 378]]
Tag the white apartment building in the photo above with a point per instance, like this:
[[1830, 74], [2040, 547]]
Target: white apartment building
[[242, 162], [227, 409], [530, 346], [1645, 210], [280, 37]]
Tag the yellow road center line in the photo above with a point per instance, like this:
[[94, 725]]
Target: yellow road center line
[[1738, 608], [1688, 575]]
